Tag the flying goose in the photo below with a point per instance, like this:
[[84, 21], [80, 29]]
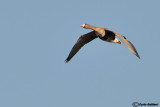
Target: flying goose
[[105, 35]]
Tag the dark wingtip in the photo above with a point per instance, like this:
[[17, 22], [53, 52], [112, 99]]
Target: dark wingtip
[[138, 56], [66, 61]]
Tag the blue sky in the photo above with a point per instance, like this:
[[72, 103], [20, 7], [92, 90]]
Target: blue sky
[[36, 36]]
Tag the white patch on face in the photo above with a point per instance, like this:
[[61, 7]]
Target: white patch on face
[[83, 25]]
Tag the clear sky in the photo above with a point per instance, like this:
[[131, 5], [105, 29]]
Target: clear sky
[[36, 36]]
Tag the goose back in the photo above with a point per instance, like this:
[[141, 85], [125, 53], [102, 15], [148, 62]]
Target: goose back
[[109, 36]]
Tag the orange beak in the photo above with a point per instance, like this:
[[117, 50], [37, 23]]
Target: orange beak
[[81, 25], [118, 42]]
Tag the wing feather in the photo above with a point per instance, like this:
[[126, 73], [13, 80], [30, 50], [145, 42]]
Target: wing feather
[[128, 44], [84, 39]]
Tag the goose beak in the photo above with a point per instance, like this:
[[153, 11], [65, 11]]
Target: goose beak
[[118, 42], [82, 25]]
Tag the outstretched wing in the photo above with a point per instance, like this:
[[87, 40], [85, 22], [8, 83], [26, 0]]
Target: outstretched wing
[[128, 44], [84, 39]]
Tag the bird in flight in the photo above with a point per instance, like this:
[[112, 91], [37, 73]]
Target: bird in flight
[[102, 33]]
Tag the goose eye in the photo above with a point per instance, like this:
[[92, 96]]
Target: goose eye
[[124, 37]]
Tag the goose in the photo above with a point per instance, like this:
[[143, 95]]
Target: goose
[[102, 33]]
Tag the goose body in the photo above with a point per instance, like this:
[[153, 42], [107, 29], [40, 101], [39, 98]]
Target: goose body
[[105, 35]]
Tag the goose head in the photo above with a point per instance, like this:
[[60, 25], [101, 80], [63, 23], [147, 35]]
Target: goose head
[[86, 26], [83, 25]]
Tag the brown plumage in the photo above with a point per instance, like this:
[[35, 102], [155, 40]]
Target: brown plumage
[[103, 34], [84, 39]]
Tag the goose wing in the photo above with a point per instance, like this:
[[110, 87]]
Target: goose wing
[[128, 44], [84, 39]]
